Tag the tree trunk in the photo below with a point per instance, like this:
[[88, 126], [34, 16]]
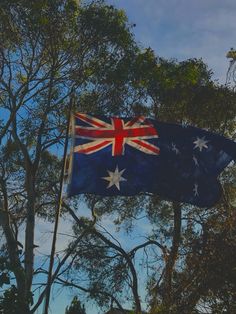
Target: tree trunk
[[14, 260], [29, 232], [171, 260]]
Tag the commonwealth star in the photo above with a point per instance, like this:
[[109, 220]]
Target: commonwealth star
[[114, 178]]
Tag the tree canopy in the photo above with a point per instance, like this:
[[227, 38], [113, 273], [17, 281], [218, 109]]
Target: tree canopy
[[75, 307], [182, 254]]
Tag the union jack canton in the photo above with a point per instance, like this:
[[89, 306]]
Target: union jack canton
[[126, 156], [117, 133]]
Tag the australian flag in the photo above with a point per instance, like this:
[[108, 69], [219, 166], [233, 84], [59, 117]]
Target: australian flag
[[126, 156]]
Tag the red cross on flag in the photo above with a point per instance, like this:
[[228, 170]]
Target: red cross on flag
[[118, 133]]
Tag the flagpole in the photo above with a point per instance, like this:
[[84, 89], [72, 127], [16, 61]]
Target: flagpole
[[58, 210]]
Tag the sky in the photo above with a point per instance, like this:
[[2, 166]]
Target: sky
[[185, 29], [179, 29]]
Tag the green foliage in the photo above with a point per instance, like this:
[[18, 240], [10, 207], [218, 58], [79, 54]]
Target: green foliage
[[107, 23], [75, 307], [231, 54], [181, 92], [4, 279], [106, 270], [11, 303], [48, 47]]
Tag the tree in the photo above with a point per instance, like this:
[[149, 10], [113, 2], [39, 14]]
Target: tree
[[50, 49], [230, 77], [75, 307], [183, 245]]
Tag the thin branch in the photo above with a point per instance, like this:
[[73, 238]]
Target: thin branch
[[71, 284], [150, 242]]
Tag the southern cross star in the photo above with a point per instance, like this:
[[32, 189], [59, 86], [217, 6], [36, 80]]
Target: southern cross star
[[184, 124], [174, 148], [200, 143], [195, 189], [114, 178]]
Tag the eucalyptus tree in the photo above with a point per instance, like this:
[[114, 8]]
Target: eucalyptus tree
[[75, 307], [179, 251], [48, 50]]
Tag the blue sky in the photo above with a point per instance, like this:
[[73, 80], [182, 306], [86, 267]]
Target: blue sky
[[185, 29], [178, 29]]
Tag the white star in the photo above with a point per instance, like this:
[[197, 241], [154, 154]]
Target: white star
[[195, 161], [200, 143], [114, 178], [195, 189], [184, 124], [175, 149]]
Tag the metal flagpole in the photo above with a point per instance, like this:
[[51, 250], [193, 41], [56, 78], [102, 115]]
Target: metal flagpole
[[58, 211]]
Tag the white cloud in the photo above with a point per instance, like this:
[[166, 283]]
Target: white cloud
[[185, 29], [44, 234]]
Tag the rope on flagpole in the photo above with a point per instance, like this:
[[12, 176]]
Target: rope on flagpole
[[58, 211]]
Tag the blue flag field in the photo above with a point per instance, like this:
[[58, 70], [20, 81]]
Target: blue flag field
[[126, 156]]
